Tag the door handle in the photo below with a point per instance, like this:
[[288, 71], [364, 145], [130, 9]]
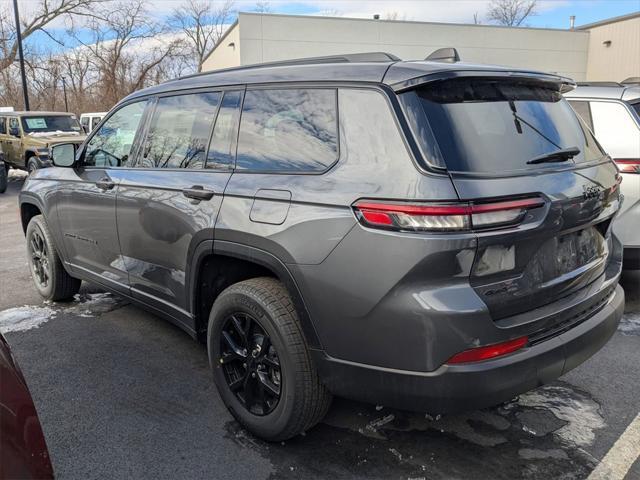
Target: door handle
[[105, 184], [198, 192]]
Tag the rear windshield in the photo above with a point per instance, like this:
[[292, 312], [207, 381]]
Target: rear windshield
[[50, 123], [488, 125]]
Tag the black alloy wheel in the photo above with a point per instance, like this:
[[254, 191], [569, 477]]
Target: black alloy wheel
[[250, 363], [40, 262]]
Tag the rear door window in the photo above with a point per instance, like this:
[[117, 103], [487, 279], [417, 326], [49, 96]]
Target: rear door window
[[488, 126], [179, 131], [288, 130], [3, 125], [225, 132]]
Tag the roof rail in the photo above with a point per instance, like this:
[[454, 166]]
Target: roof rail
[[599, 84], [346, 58]]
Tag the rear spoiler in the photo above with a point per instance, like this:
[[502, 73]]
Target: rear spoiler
[[563, 84]]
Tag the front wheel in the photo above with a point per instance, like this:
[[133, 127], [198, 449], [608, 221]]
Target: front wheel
[[49, 276], [261, 363], [32, 165]]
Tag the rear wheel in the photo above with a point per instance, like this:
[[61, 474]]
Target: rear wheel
[[260, 361], [49, 276]]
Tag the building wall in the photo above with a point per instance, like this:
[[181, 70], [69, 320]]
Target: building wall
[[225, 55], [265, 38], [619, 61]]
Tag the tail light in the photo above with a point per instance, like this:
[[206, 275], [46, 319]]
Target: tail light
[[439, 217], [488, 352], [628, 165]]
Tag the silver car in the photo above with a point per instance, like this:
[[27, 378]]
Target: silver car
[[612, 111]]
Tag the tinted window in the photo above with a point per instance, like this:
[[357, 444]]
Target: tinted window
[[288, 130], [84, 121], [221, 150], [582, 109], [179, 131], [3, 125], [112, 144], [636, 107], [50, 123], [483, 125], [13, 123], [95, 121]]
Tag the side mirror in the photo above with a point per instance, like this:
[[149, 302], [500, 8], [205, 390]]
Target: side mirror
[[15, 131], [64, 155]]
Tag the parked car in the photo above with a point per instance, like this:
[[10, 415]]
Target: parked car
[[422, 235], [27, 137], [23, 449], [4, 174], [90, 121], [612, 111]]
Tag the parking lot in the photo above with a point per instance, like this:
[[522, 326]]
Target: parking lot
[[124, 394]]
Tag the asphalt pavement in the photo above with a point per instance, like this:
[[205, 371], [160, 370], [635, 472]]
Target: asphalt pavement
[[122, 393]]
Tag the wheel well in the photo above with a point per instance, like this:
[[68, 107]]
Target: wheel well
[[27, 212], [216, 273]]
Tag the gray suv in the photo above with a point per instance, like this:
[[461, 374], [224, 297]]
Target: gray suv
[[423, 235]]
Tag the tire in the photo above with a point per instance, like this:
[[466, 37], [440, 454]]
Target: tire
[[32, 165], [303, 399], [4, 174], [59, 285]]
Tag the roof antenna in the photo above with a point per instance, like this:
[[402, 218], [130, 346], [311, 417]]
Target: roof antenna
[[445, 55]]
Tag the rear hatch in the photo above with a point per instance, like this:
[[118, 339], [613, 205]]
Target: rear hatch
[[484, 133]]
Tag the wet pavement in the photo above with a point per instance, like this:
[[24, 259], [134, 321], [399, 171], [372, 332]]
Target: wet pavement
[[124, 394]]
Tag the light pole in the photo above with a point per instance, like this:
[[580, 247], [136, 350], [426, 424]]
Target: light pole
[[64, 89], [25, 94]]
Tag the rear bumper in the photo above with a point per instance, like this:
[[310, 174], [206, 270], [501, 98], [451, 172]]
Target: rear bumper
[[453, 388]]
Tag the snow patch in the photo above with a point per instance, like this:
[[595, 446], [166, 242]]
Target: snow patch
[[581, 413], [19, 319], [630, 324]]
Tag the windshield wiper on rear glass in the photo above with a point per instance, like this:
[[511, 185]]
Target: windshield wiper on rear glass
[[561, 155]]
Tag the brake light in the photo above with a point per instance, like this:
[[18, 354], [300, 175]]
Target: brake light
[[628, 165], [443, 217], [488, 351]]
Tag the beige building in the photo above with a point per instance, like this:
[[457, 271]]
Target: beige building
[[614, 48], [257, 38]]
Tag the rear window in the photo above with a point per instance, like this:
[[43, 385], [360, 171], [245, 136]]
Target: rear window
[[488, 125]]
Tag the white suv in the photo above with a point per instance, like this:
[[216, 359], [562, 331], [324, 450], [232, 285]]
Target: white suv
[[612, 111]]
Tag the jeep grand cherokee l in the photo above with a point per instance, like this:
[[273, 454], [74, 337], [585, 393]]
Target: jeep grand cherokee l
[[422, 235]]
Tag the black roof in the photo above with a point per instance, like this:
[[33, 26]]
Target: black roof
[[374, 67]]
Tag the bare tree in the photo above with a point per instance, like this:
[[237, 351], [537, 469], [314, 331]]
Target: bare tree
[[126, 48], [511, 12], [476, 19], [46, 12], [203, 24]]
